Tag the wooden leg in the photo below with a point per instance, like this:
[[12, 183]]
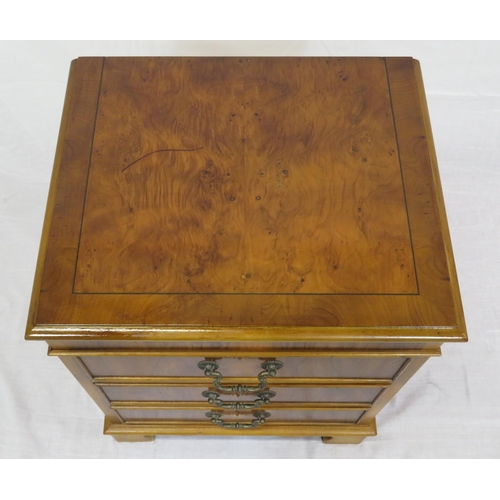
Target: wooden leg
[[125, 438], [361, 432], [342, 439], [132, 438]]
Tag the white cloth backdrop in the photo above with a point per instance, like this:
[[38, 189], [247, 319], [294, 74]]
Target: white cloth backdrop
[[451, 408]]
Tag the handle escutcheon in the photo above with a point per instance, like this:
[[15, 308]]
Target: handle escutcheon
[[263, 399], [210, 368]]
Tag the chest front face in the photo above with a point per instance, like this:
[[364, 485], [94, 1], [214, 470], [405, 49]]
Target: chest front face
[[202, 207]]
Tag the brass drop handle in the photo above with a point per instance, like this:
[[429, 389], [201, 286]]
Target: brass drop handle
[[260, 418], [263, 399], [210, 368]]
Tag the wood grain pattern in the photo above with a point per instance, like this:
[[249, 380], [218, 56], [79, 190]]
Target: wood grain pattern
[[323, 226], [226, 175], [296, 367]]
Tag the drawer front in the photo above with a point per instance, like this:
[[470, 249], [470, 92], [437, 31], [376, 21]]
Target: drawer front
[[312, 389], [283, 394], [337, 416], [299, 367]]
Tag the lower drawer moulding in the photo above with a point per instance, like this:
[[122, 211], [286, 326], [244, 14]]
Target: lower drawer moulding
[[337, 416], [145, 429]]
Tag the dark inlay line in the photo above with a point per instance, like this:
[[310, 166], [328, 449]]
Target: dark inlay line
[[88, 175], [402, 175]]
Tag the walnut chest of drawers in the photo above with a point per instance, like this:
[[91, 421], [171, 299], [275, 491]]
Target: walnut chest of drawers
[[245, 246]]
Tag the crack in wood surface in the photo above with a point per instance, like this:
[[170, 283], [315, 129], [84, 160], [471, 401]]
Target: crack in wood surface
[[159, 151]]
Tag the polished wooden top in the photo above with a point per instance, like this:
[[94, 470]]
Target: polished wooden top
[[259, 176], [204, 194]]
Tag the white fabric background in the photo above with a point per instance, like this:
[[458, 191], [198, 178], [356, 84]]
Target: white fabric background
[[451, 408]]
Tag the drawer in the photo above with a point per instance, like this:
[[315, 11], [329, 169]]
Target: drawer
[[337, 416], [300, 367], [307, 394]]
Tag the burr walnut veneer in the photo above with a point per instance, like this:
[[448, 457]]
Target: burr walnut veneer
[[251, 246]]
